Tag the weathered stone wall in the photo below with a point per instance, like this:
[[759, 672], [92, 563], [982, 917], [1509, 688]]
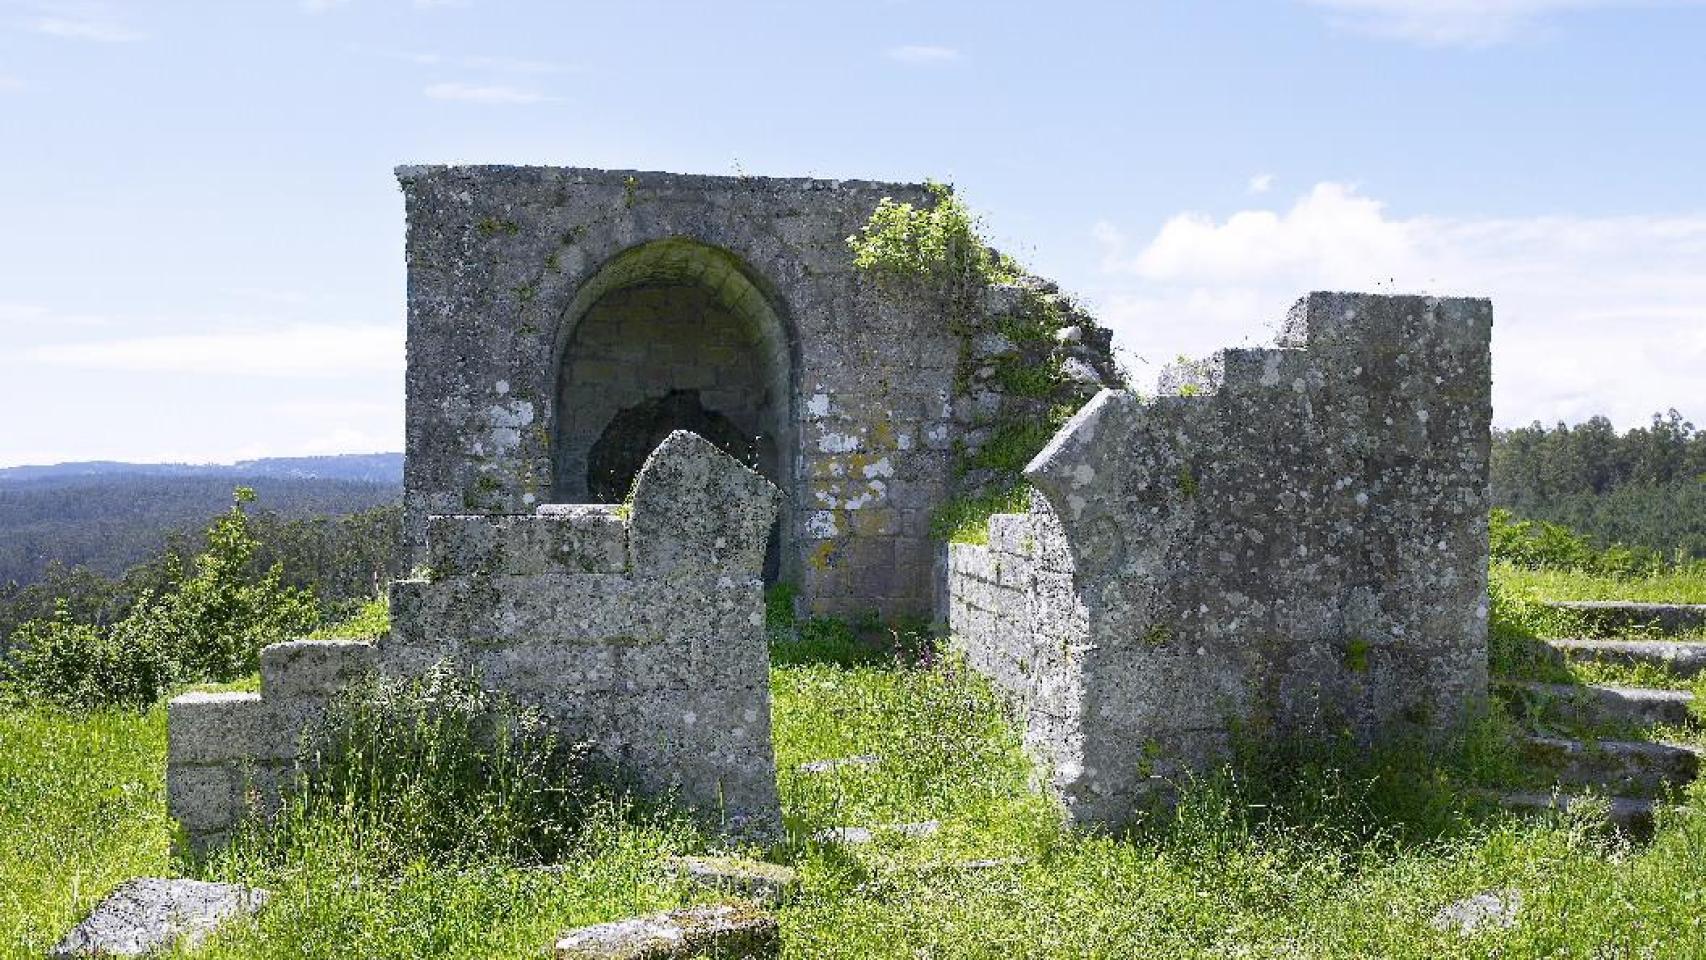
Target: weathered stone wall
[[1294, 540], [230, 753], [505, 262], [642, 635], [526, 340]]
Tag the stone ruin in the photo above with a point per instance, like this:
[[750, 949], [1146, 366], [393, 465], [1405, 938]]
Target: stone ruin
[[562, 321], [636, 629], [1290, 540]]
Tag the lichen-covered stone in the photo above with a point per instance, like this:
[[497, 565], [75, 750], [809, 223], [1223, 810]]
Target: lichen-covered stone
[[561, 319], [751, 879], [1293, 541], [151, 914], [656, 657], [729, 931]]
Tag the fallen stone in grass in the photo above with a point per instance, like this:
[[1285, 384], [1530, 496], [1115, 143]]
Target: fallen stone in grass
[[826, 766], [153, 913], [857, 835], [1493, 908], [738, 931], [751, 879]]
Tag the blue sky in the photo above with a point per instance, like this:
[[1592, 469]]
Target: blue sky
[[202, 255]]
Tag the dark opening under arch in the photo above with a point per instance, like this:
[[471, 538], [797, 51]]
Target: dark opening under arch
[[673, 334]]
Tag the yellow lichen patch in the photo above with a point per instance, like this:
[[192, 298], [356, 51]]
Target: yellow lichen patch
[[823, 557]]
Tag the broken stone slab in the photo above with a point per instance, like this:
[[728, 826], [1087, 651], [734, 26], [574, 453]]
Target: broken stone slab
[[150, 914], [826, 766], [858, 835], [1493, 908], [730, 931], [750, 879]]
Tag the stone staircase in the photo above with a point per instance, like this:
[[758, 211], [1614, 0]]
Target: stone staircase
[[1613, 740]]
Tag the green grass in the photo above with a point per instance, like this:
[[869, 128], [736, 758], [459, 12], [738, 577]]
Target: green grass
[[1320, 857], [82, 808], [1682, 586]]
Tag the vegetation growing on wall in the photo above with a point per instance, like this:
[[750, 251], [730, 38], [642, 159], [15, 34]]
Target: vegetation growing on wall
[[1017, 336]]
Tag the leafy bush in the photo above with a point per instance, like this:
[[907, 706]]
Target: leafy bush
[[1543, 545], [71, 664], [938, 243], [209, 626]]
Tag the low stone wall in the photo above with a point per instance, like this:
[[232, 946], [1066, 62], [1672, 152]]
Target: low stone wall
[[229, 753], [638, 629], [1293, 542]]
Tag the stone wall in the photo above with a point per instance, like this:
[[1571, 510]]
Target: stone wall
[[545, 301], [639, 630], [1292, 540]]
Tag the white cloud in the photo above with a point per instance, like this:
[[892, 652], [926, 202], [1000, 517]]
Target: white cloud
[[306, 350], [923, 53], [85, 21], [1592, 315], [1260, 183], [1460, 22], [484, 93]]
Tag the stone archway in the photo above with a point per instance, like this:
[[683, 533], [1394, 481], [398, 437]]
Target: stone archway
[[670, 335]]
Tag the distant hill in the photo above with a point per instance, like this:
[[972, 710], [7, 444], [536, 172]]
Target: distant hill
[[364, 467], [111, 516]]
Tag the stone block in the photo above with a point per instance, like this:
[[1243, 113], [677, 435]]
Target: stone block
[[314, 668], [697, 507], [739, 931], [752, 880], [221, 727], [152, 914]]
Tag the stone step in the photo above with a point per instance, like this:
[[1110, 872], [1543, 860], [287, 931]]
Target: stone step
[[1595, 705], [1680, 657], [1627, 615], [1618, 767], [1632, 815]]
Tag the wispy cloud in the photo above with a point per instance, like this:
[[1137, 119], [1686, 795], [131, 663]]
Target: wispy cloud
[[923, 53], [306, 350], [485, 93], [9, 83], [1260, 183], [1594, 315], [499, 64], [1461, 22], [85, 21]]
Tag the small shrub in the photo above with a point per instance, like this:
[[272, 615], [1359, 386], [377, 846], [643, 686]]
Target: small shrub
[[966, 519], [209, 626], [937, 244]]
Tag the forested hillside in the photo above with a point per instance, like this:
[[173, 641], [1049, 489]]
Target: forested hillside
[[111, 522], [1645, 487]]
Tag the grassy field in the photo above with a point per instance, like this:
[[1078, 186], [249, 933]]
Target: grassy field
[[1316, 856], [1678, 586]]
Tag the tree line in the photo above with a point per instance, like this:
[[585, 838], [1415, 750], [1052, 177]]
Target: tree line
[[1644, 487]]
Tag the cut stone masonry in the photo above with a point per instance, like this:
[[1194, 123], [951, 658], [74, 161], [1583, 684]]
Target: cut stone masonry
[[1292, 541], [638, 630]]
